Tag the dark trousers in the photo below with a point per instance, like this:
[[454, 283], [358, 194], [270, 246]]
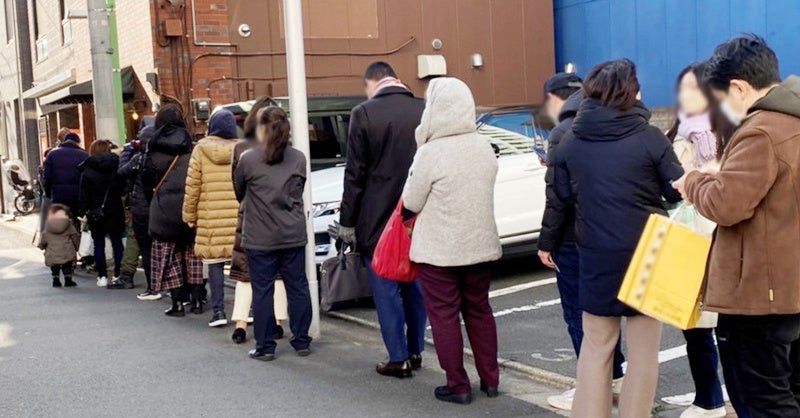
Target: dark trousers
[[57, 269], [401, 314], [99, 239], [216, 280], [142, 234], [760, 354], [264, 266], [703, 362], [567, 277], [450, 291]]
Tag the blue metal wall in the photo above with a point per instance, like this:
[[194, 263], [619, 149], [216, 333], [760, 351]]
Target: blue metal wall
[[663, 36]]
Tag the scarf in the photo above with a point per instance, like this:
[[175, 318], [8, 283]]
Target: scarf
[[388, 82], [697, 130]]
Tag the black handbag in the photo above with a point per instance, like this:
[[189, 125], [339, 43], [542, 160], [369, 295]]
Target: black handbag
[[344, 279], [97, 215]]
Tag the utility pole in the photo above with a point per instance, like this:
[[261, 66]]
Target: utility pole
[[112, 32], [107, 123], [298, 111], [28, 140]]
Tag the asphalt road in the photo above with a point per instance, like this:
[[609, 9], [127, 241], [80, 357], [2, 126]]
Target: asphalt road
[[531, 330], [89, 351]]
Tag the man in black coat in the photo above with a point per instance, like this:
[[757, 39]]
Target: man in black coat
[[557, 249], [62, 178], [380, 149]]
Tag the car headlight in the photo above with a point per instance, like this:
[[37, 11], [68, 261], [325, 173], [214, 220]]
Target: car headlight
[[326, 209]]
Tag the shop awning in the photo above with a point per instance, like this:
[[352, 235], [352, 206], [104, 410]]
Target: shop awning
[[82, 92]]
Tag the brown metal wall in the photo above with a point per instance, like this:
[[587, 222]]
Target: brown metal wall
[[515, 38]]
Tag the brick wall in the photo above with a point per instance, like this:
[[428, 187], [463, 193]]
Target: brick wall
[[172, 55]]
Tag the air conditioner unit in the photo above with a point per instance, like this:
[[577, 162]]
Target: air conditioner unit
[[431, 66]]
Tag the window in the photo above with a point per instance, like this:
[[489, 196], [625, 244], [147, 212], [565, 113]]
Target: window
[[66, 24], [9, 12]]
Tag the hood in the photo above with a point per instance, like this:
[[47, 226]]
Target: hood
[[783, 98], [103, 162], [146, 134], [71, 137], [171, 140], [596, 122], [449, 110], [57, 225], [223, 125], [216, 149], [571, 106]]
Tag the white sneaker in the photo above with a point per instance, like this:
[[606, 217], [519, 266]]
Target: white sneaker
[[102, 281], [562, 401], [148, 295], [695, 411], [616, 386]]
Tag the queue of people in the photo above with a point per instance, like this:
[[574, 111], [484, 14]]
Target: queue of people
[[733, 152]]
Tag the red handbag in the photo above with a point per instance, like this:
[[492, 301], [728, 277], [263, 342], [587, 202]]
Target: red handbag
[[391, 259]]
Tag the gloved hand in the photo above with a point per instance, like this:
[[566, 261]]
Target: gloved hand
[[344, 233]]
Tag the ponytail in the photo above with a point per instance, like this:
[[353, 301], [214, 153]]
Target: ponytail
[[278, 133]]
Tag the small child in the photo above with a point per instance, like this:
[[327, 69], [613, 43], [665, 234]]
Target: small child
[[60, 243]]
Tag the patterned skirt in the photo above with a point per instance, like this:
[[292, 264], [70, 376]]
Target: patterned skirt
[[174, 265]]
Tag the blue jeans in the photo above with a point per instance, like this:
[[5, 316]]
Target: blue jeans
[[401, 313], [703, 362], [567, 261], [264, 266], [216, 280], [99, 241]]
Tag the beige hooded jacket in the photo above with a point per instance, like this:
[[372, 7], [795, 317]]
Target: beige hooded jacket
[[451, 182]]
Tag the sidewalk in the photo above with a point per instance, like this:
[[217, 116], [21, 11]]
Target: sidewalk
[[89, 351]]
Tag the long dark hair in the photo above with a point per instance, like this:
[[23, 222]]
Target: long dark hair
[[251, 121], [722, 128], [614, 84], [278, 133]]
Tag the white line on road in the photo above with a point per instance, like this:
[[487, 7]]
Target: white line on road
[[526, 308], [520, 287], [687, 398], [664, 356]]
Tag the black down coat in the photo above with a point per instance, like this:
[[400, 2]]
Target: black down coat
[[617, 169], [130, 168], [558, 222], [101, 187], [380, 148], [170, 142]]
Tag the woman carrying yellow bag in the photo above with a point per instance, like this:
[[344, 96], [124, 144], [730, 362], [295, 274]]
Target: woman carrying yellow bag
[[697, 136]]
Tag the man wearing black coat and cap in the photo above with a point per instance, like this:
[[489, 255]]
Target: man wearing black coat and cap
[[557, 249]]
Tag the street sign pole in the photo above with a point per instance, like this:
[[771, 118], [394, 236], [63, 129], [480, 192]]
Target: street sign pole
[[298, 107], [106, 122]]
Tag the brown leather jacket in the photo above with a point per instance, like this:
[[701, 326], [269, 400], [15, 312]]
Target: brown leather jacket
[[754, 267]]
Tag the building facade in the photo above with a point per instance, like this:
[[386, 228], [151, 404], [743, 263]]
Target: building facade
[[664, 36]]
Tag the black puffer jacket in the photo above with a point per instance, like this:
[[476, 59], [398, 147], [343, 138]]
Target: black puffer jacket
[[617, 169], [101, 187], [171, 142], [558, 223], [380, 149], [130, 170]]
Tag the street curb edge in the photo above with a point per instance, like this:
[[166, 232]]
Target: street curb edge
[[534, 373]]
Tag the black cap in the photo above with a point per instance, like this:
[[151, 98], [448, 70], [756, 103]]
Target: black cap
[[560, 81]]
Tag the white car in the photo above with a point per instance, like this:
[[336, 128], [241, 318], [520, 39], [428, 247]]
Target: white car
[[519, 195]]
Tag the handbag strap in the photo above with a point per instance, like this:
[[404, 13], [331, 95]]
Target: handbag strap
[[164, 177], [108, 189]]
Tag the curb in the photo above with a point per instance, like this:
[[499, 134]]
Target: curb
[[534, 373]]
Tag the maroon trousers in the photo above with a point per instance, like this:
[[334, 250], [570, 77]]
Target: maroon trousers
[[449, 291]]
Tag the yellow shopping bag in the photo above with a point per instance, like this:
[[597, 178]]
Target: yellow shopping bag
[[665, 277]]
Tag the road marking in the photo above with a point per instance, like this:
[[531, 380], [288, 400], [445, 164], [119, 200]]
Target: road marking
[[664, 356], [520, 287], [527, 308], [688, 398]]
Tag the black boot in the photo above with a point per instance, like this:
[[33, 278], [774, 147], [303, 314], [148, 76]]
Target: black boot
[[197, 299], [68, 282], [56, 281], [176, 309]]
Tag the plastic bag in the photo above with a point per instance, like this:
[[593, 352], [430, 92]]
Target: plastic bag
[[686, 215], [86, 248], [391, 259]]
